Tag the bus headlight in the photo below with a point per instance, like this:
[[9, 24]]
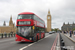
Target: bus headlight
[[30, 38]]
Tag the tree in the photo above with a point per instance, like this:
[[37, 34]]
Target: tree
[[52, 29], [73, 29], [56, 29]]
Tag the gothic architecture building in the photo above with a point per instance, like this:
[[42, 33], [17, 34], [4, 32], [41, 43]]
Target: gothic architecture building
[[48, 22], [67, 27], [8, 29]]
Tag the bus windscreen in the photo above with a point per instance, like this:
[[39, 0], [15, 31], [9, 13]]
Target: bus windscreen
[[26, 16], [24, 30]]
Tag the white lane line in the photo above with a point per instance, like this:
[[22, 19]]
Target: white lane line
[[23, 47], [48, 36], [33, 43], [27, 46], [30, 44]]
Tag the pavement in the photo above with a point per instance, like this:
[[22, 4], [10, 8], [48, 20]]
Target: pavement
[[43, 44], [71, 38], [68, 43]]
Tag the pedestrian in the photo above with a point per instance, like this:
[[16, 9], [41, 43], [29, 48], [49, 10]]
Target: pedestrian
[[5, 33], [70, 33], [67, 32], [74, 33], [64, 32]]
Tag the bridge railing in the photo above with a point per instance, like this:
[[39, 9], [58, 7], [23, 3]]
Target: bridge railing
[[7, 35]]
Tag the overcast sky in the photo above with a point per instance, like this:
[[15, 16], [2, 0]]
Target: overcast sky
[[61, 10]]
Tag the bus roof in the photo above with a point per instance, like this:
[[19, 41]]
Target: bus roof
[[25, 13], [28, 13]]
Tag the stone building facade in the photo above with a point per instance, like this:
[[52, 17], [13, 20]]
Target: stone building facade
[[48, 22], [8, 29], [67, 27]]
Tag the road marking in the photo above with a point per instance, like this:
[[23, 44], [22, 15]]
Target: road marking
[[48, 36], [30, 44], [27, 46], [54, 44], [34, 43]]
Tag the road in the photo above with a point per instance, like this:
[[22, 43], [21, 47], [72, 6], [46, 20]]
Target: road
[[68, 42], [43, 44]]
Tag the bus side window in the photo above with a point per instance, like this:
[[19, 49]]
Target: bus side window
[[37, 29]]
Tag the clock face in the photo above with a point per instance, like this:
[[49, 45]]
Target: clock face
[[48, 17]]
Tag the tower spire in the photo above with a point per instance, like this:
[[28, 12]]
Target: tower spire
[[11, 18], [68, 23], [73, 22], [64, 23], [11, 22], [48, 12], [4, 24]]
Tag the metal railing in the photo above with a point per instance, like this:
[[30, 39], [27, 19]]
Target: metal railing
[[62, 43], [7, 35]]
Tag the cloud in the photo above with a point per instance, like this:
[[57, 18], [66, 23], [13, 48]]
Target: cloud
[[61, 10]]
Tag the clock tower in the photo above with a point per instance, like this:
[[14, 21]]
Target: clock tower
[[48, 22]]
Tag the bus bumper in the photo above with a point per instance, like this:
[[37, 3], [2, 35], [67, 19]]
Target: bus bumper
[[19, 38]]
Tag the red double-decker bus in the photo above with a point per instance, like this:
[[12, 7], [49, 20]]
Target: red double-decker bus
[[30, 27]]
